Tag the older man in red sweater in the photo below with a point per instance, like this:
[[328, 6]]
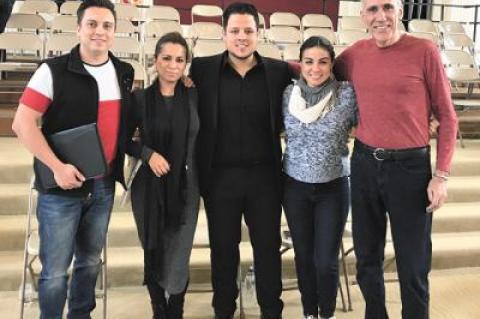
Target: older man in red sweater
[[400, 82]]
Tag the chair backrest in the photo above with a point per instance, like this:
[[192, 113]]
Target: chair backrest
[[29, 43], [206, 31], [447, 27], [269, 50], [127, 11], [64, 23], [38, 6], [208, 47], [284, 19], [60, 43], [460, 66], [327, 33], [129, 48], [162, 13], [347, 37], [291, 52], [458, 41], [425, 35], [125, 28], [351, 23], [157, 28], [26, 22], [419, 25], [70, 7], [314, 20], [206, 10], [282, 34]]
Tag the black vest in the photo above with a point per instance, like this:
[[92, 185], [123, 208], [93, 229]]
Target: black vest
[[75, 103]]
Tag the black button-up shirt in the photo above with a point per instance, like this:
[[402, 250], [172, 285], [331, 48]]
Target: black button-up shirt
[[244, 134]]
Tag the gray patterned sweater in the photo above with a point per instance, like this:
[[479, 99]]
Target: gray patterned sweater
[[318, 152]]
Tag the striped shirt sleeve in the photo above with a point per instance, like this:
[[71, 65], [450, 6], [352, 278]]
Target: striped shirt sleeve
[[39, 91]]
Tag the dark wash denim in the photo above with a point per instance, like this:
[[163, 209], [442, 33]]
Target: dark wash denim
[[316, 215], [397, 188], [72, 227]]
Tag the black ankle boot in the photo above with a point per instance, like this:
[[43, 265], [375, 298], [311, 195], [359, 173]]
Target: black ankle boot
[[159, 303], [175, 305], [159, 311]]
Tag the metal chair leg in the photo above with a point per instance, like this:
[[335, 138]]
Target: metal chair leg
[[345, 275], [240, 291], [27, 265]]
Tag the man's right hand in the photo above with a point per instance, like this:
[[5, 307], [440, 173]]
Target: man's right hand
[[68, 176]]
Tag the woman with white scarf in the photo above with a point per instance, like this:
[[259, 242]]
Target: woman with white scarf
[[319, 113]]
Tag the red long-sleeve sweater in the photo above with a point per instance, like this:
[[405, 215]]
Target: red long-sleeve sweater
[[397, 88]]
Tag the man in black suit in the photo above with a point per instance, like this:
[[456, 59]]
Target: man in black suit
[[239, 157]]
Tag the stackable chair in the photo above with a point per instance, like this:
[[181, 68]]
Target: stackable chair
[[208, 47], [39, 6], [206, 11], [166, 13], [285, 19], [30, 274], [291, 52], [324, 32], [269, 50], [315, 20], [70, 7], [23, 51], [351, 23], [348, 37]]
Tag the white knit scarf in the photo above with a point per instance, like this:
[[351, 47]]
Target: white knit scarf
[[297, 106]]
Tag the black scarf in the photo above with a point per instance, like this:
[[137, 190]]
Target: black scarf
[[165, 132]]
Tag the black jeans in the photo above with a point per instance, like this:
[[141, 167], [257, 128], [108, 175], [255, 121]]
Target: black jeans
[[397, 188], [253, 193], [316, 215]]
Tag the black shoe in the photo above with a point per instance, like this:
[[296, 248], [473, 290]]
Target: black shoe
[[223, 317], [159, 311], [175, 306]]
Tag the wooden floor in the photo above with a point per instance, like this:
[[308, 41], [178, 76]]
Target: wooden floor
[[454, 295]]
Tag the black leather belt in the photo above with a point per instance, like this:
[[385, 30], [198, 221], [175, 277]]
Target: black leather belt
[[383, 154]]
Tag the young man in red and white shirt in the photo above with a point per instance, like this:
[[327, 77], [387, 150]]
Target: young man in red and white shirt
[[88, 85]]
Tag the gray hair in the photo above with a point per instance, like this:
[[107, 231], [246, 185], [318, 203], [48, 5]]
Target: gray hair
[[399, 3]]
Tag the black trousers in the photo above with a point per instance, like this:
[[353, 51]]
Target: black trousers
[[397, 188], [316, 215], [253, 193]]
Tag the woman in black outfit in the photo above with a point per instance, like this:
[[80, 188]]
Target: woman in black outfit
[[165, 195]]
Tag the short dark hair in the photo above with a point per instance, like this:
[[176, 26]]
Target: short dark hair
[[175, 38], [318, 42], [107, 4], [240, 8]]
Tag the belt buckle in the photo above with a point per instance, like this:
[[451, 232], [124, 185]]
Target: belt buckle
[[377, 154]]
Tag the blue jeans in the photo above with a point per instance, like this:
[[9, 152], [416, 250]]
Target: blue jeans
[[68, 227], [397, 188], [316, 215]]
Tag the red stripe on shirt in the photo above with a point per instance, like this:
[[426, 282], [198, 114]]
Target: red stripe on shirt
[[35, 100], [108, 123]]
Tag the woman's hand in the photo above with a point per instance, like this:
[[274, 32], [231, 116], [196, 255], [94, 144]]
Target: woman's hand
[[158, 164]]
